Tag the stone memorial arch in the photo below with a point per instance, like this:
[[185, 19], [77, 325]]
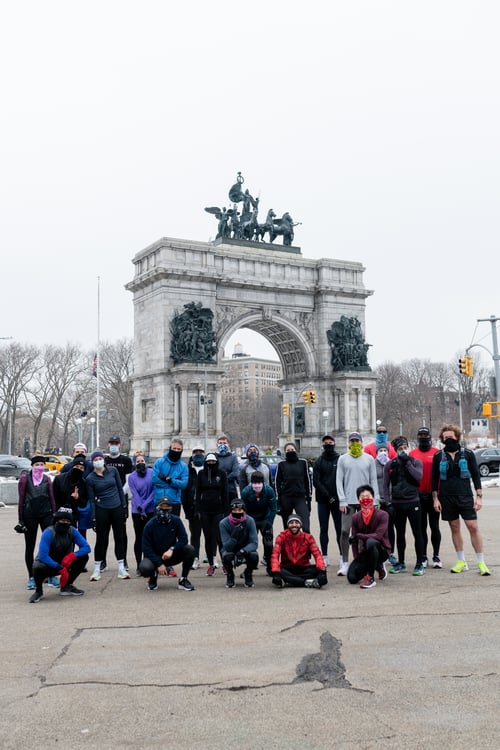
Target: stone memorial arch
[[190, 297]]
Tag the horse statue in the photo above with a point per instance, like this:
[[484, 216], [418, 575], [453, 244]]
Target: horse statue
[[284, 227]]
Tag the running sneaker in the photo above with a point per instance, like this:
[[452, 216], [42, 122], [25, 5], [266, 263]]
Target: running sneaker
[[249, 580], [171, 572], [31, 585], [211, 570], [425, 562], [460, 567], [342, 571], [196, 564], [104, 566], [436, 562], [418, 570], [36, 597], [393, 560], [483, 569], [312, 583], [230, 581], [153, 583], [398, 568], [123, 574], [368, 582], [71, 590], [185, 585], [382, 572], [278, 582], [96, 575], [326, 560], [53, 582]]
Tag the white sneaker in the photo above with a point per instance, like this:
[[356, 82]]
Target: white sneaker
[[196, 564], [342, 571], [123, 573], [326, 560], [96, 575]]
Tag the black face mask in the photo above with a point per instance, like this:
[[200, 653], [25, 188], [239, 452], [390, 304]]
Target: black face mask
[[291, 456], [141, 469], [62, 528], [329, 449], [451, 445], [424, 444], [162, 515], [76, 475], [174, 455]]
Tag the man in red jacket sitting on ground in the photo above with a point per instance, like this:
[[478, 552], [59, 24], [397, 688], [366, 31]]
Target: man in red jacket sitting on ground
[[290, 559]]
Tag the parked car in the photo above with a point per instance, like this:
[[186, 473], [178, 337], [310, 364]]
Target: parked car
[[488, 460], [55, 463], [13, 466]]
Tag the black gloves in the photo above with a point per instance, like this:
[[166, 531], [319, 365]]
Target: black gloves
[[353, 539], [277, 579], [321, 578], [164, 478]]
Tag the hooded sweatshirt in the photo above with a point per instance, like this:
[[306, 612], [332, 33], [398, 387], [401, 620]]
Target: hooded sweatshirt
[[211, 490]]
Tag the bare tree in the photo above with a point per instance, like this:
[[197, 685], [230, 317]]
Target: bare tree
[[18, 363]]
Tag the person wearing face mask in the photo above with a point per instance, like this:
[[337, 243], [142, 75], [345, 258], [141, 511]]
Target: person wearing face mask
[[228, 462], [380, 462], [70, 491], [195, 465], [165, 544], [211, 502], [239, 539], [369, 541], [142, 504], [253, 463], [57, 557], [260, 502], [325, 484], [79, 449], [453, 470], [170, 476], [124, 466], [425, 452], [35, 509], [354, 468], [291, 558], [402, 477], [109, 511], [293, 486], [381, 438]]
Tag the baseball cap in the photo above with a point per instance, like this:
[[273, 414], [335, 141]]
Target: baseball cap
[[355, 436], [424, 431], [114, 439]]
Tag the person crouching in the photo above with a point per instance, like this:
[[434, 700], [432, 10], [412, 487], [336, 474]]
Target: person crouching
[[57, 556], [164, 544], [239, 543], [369, 541]]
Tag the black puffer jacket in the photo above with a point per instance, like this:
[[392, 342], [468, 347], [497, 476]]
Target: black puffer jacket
[[211, 490]]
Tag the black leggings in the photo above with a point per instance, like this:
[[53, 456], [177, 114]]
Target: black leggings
[[139, 522], [367, 561], [325, 510], [105, 520], [32, 525], [41, 571], [210, 525], [297, 504], [411, 511], [432, 517]]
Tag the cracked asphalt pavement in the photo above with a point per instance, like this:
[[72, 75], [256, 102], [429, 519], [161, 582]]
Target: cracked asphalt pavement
[[412, 663]]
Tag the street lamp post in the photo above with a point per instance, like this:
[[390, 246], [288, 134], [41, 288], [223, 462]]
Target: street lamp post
[[325, 416], [78, 421], [92, 426]]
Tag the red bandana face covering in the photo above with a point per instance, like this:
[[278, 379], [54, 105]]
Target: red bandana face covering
[[367, 509]]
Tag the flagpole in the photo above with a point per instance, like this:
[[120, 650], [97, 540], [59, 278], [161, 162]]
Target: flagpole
[[98, 366]]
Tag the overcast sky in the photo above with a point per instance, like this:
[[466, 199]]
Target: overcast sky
[[375, 124]]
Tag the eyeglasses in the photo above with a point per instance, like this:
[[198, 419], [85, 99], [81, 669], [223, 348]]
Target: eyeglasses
[[237, 506]]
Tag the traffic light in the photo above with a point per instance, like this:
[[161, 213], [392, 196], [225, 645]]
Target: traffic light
[[462, 366], [486, 409], [469, 366], [309, 397], [202, 399], [286, 410]]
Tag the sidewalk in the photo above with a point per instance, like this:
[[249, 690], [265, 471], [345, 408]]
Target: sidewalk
[[408, 665]]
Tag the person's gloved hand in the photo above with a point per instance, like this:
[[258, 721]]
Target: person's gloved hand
[[352, 539], [277, 579], [239, 559], [68, 560], [125, 512], [322, 578], [63, 577]]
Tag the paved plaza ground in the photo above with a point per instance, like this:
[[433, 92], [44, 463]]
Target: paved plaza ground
[[409, 665]]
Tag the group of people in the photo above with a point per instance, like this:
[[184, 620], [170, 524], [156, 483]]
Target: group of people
[[370, 493]]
